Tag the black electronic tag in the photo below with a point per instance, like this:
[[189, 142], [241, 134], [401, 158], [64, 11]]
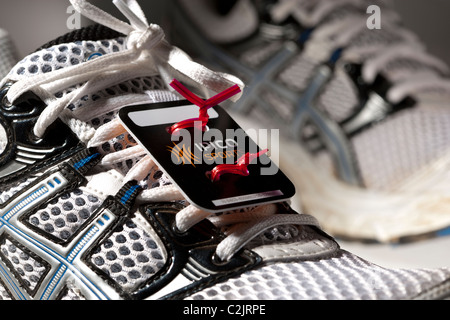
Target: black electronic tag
[[188, 156]]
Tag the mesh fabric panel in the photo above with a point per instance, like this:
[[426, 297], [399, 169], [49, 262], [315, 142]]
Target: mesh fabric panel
[[401, 145], [346, 277]]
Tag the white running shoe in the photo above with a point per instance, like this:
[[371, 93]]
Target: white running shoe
[[86, 214]]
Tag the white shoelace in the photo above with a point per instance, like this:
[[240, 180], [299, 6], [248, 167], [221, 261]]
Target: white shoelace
[[340, 32], [147, 54]]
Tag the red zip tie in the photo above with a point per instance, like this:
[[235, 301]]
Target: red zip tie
[[204, 105], [239, 168]]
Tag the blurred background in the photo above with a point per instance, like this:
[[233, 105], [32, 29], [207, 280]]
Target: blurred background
[[34, 23]]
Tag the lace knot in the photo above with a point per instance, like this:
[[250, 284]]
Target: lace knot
[[146, 39]]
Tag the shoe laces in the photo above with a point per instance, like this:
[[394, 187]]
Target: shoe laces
[[147, 54], [339, 33]]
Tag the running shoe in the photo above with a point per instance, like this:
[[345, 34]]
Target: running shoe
[[361, 105], [86, 214]]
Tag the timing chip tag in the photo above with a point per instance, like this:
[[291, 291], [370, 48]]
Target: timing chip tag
[[190, 156]]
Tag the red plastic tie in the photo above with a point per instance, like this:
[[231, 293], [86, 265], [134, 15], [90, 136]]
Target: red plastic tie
[[204, 105], [240, 168]]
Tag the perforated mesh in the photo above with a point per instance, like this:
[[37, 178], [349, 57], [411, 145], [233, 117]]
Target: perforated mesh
[[403, 144], [260, 54], [339, 98], [347, 277], [370, 38], [63, 56], [298, 73], [130, 256], [63, 217], [11, 190], [134, 86], [28, 269]]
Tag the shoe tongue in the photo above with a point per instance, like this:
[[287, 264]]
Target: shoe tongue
[[69, 50]]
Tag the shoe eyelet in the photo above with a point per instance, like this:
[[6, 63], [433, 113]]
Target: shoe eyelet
[[34, 138], [215, 259], [5, 103], [93, 56], [178, 231]]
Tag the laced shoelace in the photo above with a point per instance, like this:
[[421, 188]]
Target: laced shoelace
[[339, 33], [148, 54]]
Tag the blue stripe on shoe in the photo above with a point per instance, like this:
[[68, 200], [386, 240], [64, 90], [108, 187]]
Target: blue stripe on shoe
[[129, 193], [84, 161]]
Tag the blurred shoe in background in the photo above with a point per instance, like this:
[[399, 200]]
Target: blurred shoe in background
[[8, 53], [8, 58], [363, 111]]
